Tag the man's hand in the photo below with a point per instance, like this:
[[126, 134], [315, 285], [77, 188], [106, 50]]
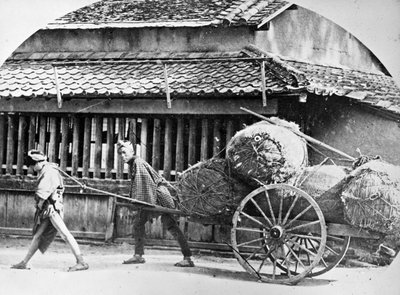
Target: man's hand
[[39, 203]]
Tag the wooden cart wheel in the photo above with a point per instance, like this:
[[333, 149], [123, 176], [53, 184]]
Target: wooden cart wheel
[[267, 227]]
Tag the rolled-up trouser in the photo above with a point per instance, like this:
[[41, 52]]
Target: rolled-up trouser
[[168, 222]]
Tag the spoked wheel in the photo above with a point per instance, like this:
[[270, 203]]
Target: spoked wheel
[[268, 227]]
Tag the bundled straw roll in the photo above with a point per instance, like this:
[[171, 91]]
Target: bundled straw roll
[[208, 190], [269, 153], [372, 197]]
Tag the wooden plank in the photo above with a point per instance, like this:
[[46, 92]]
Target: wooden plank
[[143, 139], [179, 155], [31, 138], [216, 137], [132, 137], [52, 150], [64, 143], [75, 146], [98, 146], [110, 225], [2, 140], [229, 130], [110, 146], [42, 134], [168, 149], [86, 146], [147, 106], [121, 136], [156, 145], [204, 140], [192, 142], [10, 144], [21, 144]]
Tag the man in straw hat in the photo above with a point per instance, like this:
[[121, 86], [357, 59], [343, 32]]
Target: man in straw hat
[[49, 212], [148, 186]]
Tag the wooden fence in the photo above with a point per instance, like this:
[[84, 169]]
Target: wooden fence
[[84, 147]]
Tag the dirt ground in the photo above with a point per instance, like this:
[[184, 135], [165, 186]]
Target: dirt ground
[[212, 275]]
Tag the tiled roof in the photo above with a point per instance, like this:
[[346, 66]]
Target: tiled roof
[[231, 75], [180, 13], [374, 89]]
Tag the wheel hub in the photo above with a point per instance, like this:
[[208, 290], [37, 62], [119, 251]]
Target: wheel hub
[[276, 232]]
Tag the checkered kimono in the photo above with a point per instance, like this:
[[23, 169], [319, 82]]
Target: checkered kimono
[[148, 186]]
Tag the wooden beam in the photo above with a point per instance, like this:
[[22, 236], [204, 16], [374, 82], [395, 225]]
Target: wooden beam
[[21, 145], [204, 140], [87, 139], [168, 149], [52, 151], [110, 146], [75, 146], [64, 143], [216, 137], [155, 161], [229, 131], [2, 140], [143, 139], [42, 134], [179, 155], [263, 86], [132, 138], [98, 142], [121, 136], [167, 86], [31, 138], [192, 142], [10, 144], [151, 106]]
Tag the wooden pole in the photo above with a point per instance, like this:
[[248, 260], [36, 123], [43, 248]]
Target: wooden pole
[[2, 140], [155, 161], [52, 152], [87, 139], [168, 149], [132, 138], [263, 86], [179, 156], [167, 87], [31, 138], [216, 138], [204, 140], [110, 146], [10, 144], [98, 146], [302, 135], [64, 143], [21, 145], [75, 146], [143, 139], [192, 142]]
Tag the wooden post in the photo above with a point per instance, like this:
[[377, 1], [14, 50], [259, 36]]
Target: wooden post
[[10, 144], [156, 145], [110, 146], [167, 87], [229, 130], [192, 142], [216, 138], [21, 145], [42, 134], [86, 146], [168, 149], [64, 143], [110, 219], [98, 146], [204, 140], [52, 153], [179, 156], [75, 146], [31, 138], [132, 138], [2, 140], [121, 136], [143, 139], [263, 86]]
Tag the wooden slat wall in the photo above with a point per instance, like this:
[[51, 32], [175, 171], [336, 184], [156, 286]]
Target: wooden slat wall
[[169, 144]]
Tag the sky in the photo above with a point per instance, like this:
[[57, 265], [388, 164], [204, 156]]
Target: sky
[[375, 23]]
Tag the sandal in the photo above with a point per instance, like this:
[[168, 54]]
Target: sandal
[[21, 265], [79, 266], [136, 259], [186, 262]]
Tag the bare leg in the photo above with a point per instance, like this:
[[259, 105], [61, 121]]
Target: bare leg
[[34, 246], [65, 234]]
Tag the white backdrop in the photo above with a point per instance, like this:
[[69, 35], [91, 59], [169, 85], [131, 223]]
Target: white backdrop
[[375, 23]]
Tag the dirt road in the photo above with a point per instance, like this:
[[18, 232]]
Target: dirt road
[[212, 275]]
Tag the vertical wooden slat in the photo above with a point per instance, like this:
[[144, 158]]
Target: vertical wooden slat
[[156, 145], [31, 138], [121, 136], [132, 138], [263, 85], [204, 140], [143, 139], [216, 138], [192, 142], [21, 145], [2, 139], [98, 146], [53, 140], [110, 146], [64, 143], [42, 134], [75, 146], [229, 130], [10, 144], [86, 146], [168, 149], [179, 146]]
